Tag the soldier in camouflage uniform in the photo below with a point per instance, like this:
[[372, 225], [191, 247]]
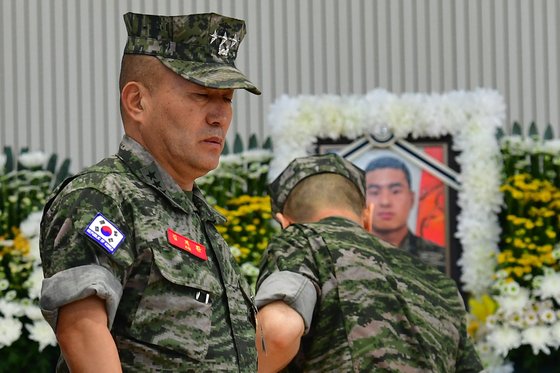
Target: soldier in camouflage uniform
[[334, 298], [136, 275], [388, 187]]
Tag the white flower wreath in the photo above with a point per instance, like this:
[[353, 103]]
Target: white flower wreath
[[470, 117]]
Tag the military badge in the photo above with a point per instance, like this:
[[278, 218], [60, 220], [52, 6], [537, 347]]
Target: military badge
[[105, 233], [183, 243]]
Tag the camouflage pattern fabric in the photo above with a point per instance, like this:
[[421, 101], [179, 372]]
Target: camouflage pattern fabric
[[178, 312], [303, 167], [200, 47], [429, 252], [378, 309]]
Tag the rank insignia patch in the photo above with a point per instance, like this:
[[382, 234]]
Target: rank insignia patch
[[105, 233], [183, 243]]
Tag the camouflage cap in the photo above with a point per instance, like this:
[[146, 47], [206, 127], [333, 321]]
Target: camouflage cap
[[200, 47], [303, 167]]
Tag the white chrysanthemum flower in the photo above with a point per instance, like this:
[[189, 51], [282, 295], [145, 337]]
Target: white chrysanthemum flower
[[31, 225], [257, 155], [516, 319], [490, 360], [483, 347], [550, 287], [33, 159], [492, 321], [34, 251], [531, 318], [503, 367], [235, 251], [551, 146], [42, 333], [34, 282], [10, 331], [249, 269], [500, 314], [10, 295], [10, 309], [501, 274], [511, 304], [535, 306], [4, 284], [539, 337], [547, 315], [512, 288], [33, 312], [555, 333], [504, 339], [537, 281], [3, 160], [6, 243]]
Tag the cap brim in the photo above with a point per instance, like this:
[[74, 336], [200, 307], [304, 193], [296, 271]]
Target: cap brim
[[212, 75]]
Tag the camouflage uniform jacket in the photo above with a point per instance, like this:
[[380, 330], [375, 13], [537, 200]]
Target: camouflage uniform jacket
[[168, 309], [377, 309], [427, 251]]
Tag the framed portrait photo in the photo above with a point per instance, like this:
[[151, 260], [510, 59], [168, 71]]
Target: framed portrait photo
[[432, 215], [450, 136]]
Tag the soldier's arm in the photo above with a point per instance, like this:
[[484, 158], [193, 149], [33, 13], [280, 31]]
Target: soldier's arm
[[84, 339], [468, 360], [282, 328]]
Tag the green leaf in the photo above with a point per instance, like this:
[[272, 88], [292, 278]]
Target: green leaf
[[268, 143], [499, 134], [51, 164], [253, 143], [533, 130], [516, 129], [548, 133], [9, 158], [237, 144], [63, 172]]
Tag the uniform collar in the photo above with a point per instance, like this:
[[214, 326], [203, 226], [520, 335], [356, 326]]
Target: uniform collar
[[143, 165], [408, 241]]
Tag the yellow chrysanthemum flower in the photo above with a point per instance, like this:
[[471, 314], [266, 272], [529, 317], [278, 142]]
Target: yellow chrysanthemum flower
[[482, 307]]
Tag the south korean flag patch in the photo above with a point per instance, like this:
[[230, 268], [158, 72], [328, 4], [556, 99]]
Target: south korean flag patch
[[105, 233]]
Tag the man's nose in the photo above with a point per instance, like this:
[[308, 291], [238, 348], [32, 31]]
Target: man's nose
[[219, 113], [384, 198]]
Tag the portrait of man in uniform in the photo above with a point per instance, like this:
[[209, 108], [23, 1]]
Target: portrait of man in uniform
[[409, 205]]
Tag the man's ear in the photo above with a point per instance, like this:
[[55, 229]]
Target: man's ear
[[367, 217], [412, 197], [283, 220], [133, 100]]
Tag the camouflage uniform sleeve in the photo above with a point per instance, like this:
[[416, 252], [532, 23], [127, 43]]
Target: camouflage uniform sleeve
[[468, 360], [78, 283], [293, 289], [74, 265], [288, 272]]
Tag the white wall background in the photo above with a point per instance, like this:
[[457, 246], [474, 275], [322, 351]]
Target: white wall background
[[59, 59]]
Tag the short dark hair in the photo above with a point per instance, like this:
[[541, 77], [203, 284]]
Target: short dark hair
[[389, 162], [323, 190], [140, 68]]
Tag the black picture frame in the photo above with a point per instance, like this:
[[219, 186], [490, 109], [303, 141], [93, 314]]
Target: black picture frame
[[453, 247]]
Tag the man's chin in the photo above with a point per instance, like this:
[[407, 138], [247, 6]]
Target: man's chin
[[384, 230]]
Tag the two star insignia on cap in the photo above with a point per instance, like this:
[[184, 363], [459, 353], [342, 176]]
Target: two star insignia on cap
[[225, 44]]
